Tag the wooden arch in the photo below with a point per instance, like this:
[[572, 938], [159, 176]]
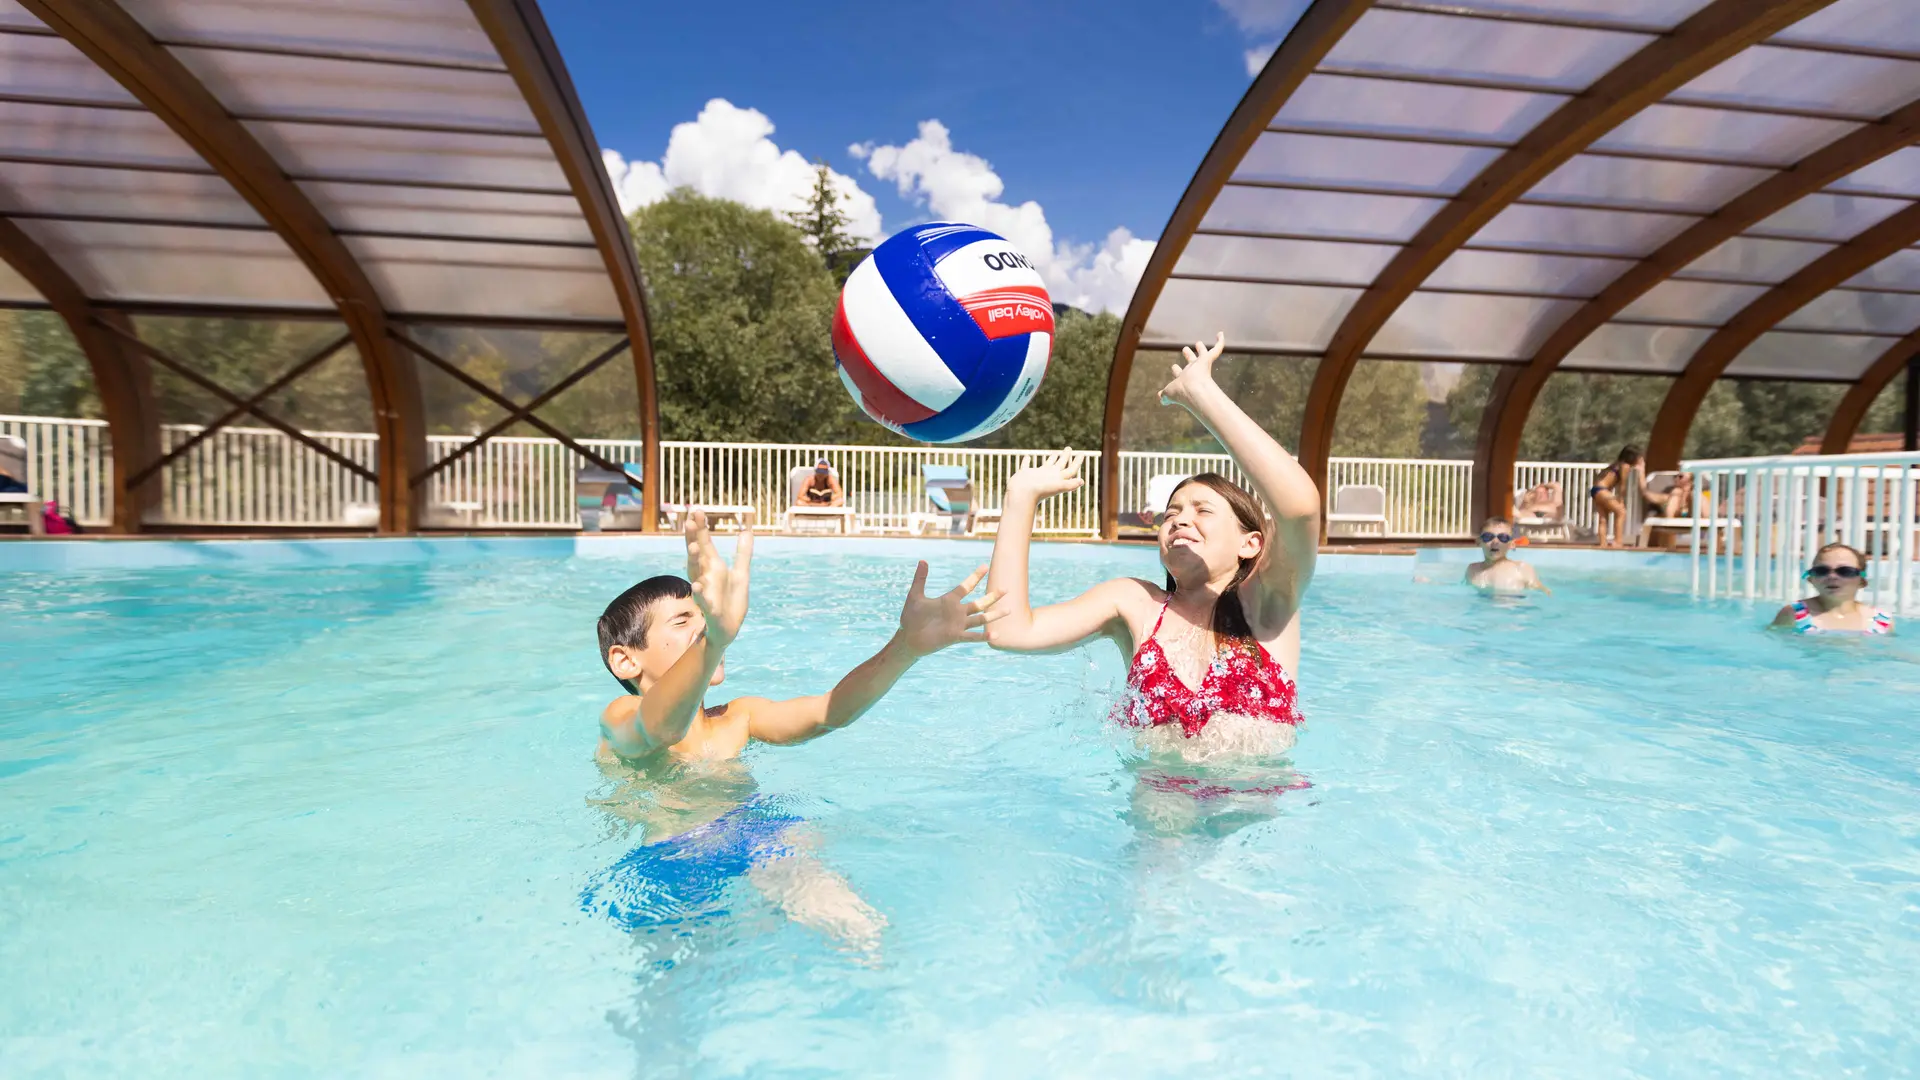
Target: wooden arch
[[1710, 36], [1763, 314], [122, 381], [1860, 396], [519, 33], [1505, 418], [1318, 30], [120, 46]]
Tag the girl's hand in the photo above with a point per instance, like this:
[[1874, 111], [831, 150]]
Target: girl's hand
[[1199, 371], [1058, 473], [931, 623]]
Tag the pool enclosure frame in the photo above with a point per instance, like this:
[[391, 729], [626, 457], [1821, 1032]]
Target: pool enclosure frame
[[151, 70], [1331, 41]]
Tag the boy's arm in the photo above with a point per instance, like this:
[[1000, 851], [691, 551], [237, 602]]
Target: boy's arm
[[927, 625], [638, 725], [1534, 582]]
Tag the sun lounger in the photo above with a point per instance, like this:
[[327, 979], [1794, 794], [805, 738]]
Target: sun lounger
[[609, 500], [1358, 510], [842, 519], [951, 493], [13, 462]]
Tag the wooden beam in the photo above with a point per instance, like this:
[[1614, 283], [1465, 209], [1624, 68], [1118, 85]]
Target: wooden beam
[[1318, 30], [123, 382], [119, 45], [1762, 314], [1712, 35], [1836, 160], [519, 33], [1862, 394]]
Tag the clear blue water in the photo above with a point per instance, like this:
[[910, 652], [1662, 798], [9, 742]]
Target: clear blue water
[[334, 822]]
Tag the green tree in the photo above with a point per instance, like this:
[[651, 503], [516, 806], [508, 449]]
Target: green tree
[[741, 308], [1072, 400], [824, 224], [1383, 411], [42, 370]]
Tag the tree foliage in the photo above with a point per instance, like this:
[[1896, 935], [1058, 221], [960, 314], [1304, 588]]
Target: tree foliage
[[824, 225]]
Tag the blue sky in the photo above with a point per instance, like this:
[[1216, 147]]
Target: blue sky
[[1055, 123]]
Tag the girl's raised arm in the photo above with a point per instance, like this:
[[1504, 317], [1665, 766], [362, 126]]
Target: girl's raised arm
[[1277, 477], [1056, 626]]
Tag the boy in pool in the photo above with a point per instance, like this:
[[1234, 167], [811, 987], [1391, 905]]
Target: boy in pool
[[1497, 571], [666, 640]]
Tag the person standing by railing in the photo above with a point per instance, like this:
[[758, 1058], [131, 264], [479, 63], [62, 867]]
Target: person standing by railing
[[1608, 507]]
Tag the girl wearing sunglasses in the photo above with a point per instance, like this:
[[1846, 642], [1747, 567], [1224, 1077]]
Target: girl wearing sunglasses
[[1837, 576]]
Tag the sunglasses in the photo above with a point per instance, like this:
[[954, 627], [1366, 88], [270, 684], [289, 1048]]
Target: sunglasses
[[1488, 538], [1842, 572]]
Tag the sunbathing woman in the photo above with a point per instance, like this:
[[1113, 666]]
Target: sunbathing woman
[[1213, 652]]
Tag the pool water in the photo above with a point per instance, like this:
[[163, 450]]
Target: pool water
[[337, 820]]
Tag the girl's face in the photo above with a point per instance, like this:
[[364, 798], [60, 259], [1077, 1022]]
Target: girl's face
[[1201, 536], [1837, 576]]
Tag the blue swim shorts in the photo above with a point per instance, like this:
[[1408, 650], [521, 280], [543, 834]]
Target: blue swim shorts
[[684, 877]]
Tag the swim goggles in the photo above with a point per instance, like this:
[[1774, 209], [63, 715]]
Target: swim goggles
[[1845, 573]]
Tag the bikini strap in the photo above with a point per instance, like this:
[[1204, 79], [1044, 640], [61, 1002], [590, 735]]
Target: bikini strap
[[1801, 615], [1162, 617]]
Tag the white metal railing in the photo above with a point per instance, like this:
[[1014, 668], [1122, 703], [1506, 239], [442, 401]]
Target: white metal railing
[[261, 477], [1758, 521], [69, 462]]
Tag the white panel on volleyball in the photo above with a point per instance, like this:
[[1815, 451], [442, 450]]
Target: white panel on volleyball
[[889, 339], [986, 266], [1031, 372]]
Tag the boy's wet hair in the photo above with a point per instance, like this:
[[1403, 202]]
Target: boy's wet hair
[[627, 620]]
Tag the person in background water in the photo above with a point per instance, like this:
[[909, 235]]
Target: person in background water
[[1837, 575], [1210, 692], [675, 764], [823, 489], [1605, 493], [1497, 571]]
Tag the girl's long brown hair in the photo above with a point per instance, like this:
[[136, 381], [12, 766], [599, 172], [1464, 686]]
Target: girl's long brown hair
[[1229, 617]]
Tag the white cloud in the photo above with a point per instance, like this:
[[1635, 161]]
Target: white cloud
[[726, 153], [959, 186], [1266, 17], [1258, 56]]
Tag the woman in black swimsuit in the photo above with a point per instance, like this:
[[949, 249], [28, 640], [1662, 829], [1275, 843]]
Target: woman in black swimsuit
[[1605, 493], [823, 488]]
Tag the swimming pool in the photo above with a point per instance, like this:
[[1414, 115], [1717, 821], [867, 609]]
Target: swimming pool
[[334, 819]]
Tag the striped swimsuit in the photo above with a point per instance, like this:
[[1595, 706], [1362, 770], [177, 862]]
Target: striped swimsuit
[[1803, 622]]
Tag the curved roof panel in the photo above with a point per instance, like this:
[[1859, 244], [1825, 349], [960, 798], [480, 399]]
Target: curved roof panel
[[398, 121]]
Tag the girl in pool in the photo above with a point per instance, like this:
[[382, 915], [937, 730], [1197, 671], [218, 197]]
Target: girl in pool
[[1214, 650], [1837, 575]]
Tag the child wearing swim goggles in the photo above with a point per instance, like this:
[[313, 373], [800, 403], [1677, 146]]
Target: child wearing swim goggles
[[1837, 575], [1497, 570]]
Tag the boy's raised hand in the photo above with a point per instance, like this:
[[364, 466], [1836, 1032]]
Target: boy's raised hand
[[719, 590], [931, 623]]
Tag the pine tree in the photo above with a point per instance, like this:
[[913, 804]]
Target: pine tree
[[825, 225]]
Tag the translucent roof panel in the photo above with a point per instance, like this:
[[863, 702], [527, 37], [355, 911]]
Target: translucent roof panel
[[1692, 303], [1261, 258], [1465, 326], [1899, 271], [1856, 86], [1823, 216], [236, 267], [195, 198], [1637, 349], [398, 122], [1277, 317], [1385, 107], [1807, 356], [1638, 184], [1515, 272], [482, 279], [1643, 14], [1896, 174], [1849, 312], [1570, 230], [1332, 161], [439, 31], [1694, 131], [1386, 41], [14, 288], [1319, 213], [1859, 24], [1746, 258]]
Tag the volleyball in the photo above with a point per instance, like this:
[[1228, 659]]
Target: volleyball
[[943, 332]]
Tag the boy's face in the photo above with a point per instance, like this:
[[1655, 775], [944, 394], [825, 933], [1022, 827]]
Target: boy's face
[[673, 625]]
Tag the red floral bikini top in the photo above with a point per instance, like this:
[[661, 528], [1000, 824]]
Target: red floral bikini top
[[1240, 680]]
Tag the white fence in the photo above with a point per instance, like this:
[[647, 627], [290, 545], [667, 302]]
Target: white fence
[[1758, 522], [261, 477]]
